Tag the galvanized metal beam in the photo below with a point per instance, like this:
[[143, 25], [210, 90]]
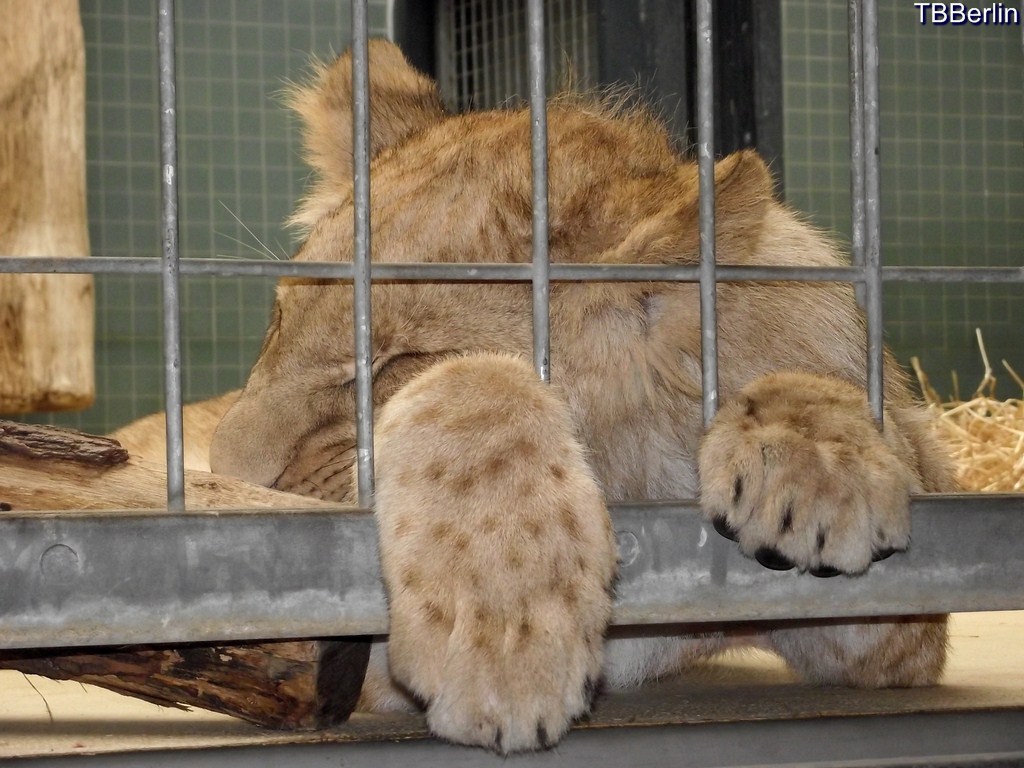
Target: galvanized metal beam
[[101, 578]]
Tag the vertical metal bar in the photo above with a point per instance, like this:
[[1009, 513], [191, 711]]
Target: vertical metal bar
[[706, 171], [170, 265], [856, 26], [872, 213], [539, 151], [361, 252]]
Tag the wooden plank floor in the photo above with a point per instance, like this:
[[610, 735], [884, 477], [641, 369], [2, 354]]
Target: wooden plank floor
[[986, 673]]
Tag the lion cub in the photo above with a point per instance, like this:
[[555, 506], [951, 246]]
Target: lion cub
[[495, 541]]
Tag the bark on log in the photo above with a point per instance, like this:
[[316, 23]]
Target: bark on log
[[46, 321], [300, 685], [49, 468]]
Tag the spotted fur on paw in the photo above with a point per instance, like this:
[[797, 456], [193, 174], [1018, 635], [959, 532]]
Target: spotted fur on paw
[[497, 554], [796, 470]]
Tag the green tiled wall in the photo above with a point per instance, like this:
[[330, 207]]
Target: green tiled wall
[[952, 127]]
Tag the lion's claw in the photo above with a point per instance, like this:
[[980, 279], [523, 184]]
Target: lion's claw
[[724, 529], [771, 558]]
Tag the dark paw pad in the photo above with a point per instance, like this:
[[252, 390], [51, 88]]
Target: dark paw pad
[[885, 552], [825, 571], [724, 529], [771, 558]]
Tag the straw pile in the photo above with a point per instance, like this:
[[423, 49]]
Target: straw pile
[[985, 435]]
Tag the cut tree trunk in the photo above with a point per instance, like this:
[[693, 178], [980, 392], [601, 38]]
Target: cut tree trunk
[[300, 685], [49, 468], [297, 685], [46, 321]]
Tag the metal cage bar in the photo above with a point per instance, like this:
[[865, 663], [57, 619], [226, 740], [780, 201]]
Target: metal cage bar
[[504, 273], [541, 267], [361, 303], [872, 213], [706, 175], [170, 263]]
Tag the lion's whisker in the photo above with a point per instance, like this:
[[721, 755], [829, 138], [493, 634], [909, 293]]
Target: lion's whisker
[[253, 234]]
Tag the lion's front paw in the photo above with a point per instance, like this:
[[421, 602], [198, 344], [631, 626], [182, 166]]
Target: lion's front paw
[[497, 552], [797, 472], [506, 657], [508, 684]]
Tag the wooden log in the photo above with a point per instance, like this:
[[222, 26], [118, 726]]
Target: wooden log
[[46, 321], [300, 685], [50, 468]]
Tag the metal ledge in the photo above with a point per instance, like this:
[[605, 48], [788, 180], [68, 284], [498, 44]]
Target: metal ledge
[[940, 740], [110, 578]]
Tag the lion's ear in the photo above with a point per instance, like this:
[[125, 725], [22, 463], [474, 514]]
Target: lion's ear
[[742, 183], [402, 102], [744, 187], [743, 192]]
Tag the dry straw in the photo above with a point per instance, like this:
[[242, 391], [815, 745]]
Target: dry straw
[[985, 435]]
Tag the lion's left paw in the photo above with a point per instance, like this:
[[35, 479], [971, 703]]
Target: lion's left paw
[[509, 688], [797, 472]]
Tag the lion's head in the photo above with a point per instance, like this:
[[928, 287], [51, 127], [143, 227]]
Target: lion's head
[[451, 188]]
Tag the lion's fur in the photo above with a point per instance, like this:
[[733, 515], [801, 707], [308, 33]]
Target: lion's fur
[[146, 438], [467, 440]]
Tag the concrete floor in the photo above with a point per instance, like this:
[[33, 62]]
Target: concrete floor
[[41, 717]]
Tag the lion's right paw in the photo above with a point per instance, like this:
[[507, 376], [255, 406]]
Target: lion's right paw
[[798, 473]]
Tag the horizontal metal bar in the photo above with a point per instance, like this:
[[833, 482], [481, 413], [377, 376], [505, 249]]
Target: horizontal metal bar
[[72, 579], [504, 273], [896, 274]]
